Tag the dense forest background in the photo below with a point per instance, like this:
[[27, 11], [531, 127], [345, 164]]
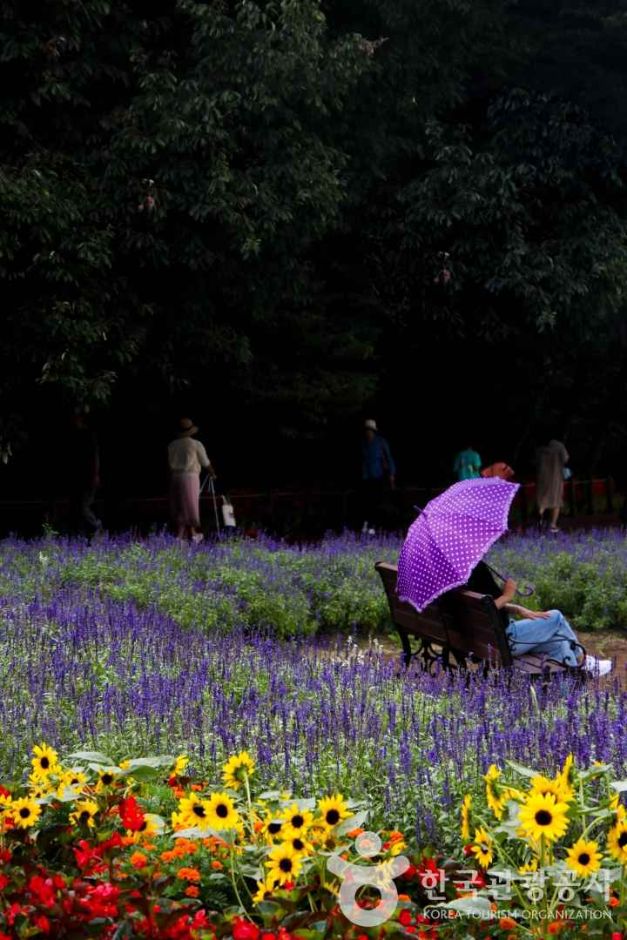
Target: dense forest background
[[283, 217]]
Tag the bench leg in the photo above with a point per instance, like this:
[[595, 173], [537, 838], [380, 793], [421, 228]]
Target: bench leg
[[406, 648]]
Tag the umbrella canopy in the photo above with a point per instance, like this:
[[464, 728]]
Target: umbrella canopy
[[451, 534]]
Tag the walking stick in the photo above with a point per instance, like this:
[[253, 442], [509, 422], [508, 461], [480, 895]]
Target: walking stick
[[212, 490]]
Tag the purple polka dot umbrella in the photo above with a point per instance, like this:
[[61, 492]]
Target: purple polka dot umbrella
[[451, 534]]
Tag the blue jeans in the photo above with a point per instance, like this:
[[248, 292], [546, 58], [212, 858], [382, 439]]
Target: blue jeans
[[554, 638]]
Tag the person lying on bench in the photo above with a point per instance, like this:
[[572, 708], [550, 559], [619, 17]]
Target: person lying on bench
[[546, 633]]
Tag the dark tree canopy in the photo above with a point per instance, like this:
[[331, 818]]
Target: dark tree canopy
[[285, 215]]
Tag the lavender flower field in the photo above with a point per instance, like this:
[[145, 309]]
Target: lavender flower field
[[152, 647]]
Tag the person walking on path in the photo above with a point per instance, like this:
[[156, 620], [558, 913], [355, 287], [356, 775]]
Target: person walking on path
[[550, 461], [186, 458], [83, 474], [378, 473], [467, 464]]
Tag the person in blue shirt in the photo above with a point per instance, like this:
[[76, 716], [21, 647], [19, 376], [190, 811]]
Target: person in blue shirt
[[378, 474], [467, 464]]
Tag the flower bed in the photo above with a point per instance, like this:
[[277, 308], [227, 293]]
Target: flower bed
[[91, 848]]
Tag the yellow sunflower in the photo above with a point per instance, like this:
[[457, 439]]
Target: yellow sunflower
[[543, 816], [528, 867], [584, 857], [221, 812], [495, 798], [45, 760], [42, 783], [180, 765], [84, 813], [299, 844], [558, 786], [617, 841], [107, 776], [151, 826], [265, 889], [273, 827], [333, 809], [296, 821], [5, 808], [25, 812], [482, 848], [466, 804], [236, 769], [192, 813], [284, 863], [72, 779]]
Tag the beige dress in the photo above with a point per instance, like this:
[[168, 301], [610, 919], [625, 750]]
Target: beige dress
[[551, 461]]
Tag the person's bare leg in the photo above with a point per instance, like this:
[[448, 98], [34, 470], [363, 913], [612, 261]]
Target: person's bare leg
[[555, 514]]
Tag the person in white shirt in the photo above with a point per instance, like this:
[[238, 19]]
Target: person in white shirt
[[186, 458]]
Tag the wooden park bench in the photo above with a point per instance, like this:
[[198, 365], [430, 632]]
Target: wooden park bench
[[464, 628]]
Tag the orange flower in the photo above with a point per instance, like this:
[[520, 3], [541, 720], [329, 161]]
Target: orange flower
[[507, 923], [191, 891], [167, 856], [555, 926], [613, 901], [258, 826], [197, 787], [188, 874], [216, 865], [138, 860], [404, 897], [354, 833], [396, 836]]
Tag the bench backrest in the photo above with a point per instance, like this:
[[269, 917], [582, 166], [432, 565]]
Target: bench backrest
[[462, 620]]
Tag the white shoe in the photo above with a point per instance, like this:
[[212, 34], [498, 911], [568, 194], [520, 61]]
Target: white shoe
[[598, 667], [197, 537]]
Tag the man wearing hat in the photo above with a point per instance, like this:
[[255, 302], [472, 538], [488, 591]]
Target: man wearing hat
[[378, 472], [186, 458]]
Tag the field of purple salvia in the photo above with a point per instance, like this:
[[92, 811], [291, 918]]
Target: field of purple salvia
[[144, 648]]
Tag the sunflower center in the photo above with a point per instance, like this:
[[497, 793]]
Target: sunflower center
[[584, 859], [297, 821], [142, 827], [24, 812], [107, 779], [274, 827], [622, 839], [45, 763], [199, 811], [298, 845], [285, 865], [222, 811], [333, 817], [84, 816], [543, 817]]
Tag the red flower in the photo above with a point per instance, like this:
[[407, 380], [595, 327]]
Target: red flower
[[244, 930], [271, 936], [43, 923], [131, 815], [617, 935], [5, 856], [113, 842], [404, 918], [200, 921], [42, 891], [101, 901], [12, 912], [4, 792], [5, 936], [87, 857], [3, 882]]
